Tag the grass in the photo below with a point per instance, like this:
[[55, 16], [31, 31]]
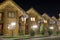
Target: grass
[[23, 36]]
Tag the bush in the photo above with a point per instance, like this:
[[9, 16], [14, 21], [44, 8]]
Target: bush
[[50, 32], [32, 33], [21, 32]]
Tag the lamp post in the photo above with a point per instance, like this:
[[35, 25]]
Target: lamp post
[[11, 26]]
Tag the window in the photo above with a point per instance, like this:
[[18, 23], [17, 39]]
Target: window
[[0, 16], [58, 23], [23, 18], [11, 14], [52, 22], [32, 18], [45, 21]]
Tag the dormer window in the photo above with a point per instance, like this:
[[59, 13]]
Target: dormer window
[[32, 18], [11, 14]]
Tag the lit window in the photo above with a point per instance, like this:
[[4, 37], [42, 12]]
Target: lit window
[[32, 18], [45, 21], [23, 19], [52, 22], [11, 14]]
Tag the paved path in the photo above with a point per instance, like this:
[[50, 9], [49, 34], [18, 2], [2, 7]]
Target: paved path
[[43, 38]]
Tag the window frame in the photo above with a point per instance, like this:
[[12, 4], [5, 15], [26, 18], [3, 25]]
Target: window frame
[[11, 14], [32, 19]]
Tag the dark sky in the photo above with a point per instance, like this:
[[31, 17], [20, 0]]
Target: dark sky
[[51, 7]]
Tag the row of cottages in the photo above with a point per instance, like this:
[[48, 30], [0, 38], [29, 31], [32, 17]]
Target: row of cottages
[[15, 21]]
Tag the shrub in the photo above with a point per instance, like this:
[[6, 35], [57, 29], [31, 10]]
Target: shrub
[[32, 33]]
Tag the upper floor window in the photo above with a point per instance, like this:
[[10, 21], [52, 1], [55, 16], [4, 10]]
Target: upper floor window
[[32, 18], [1, 16], [52, 22], [11, 14], [45, 21], [23, 18]]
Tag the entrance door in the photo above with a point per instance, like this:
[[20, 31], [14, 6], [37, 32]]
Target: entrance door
[[26, 30], [1, 29], [1, 23]]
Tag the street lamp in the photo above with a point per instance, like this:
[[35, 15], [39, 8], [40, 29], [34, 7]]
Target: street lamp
[[11, 26]]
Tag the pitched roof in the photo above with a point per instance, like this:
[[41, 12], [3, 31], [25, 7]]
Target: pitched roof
[[45, 16], [11, 3], [33, 12], [54, 18]]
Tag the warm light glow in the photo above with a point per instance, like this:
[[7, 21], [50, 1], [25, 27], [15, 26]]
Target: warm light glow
[[51, 27], [23, 18], [32, 18], [13, 23], [34, 27], [59, 28], [45, 21], [11, 26]]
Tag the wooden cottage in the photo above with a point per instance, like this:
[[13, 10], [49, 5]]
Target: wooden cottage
[[10, 16], [46, 23], [34, 20]]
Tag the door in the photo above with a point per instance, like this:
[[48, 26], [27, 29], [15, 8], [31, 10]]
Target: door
[[1, 23], [26, 30]]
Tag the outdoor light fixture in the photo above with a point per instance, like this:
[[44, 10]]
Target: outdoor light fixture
[[13, 23], [34, 27], [11, 26], [51, 27], [45, 21]]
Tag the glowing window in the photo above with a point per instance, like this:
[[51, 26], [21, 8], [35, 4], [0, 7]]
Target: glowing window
[[32, 18], [45, 21], [23, 19]]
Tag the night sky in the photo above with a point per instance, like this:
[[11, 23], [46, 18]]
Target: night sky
[[51, 7]]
